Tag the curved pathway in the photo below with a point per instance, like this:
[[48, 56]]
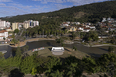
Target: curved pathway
[[100, 45]]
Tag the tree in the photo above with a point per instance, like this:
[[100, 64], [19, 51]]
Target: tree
[[39, 32], [28, 64], [34, 71], [18, 52], [16, 73], [72, 69], [89, 65], [36, 33], [91, 36], [111, 49], [73, 35], [1, 55], [74, 48], [13, 36], [52, 62], [57, 74], [60, 40], [46, 32], [107, 62], [16, 31], [14, 41], [25, 48], [4, 38]]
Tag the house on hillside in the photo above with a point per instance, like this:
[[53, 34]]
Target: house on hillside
[[80, 29], [104, 19], [64, 24], [112, 28], [92, 27], [71, 28], [8, 29], [86, 30]]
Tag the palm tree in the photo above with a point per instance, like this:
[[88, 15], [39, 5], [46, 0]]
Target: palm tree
[[73, 35], [57, 32], [65, 31], [46, 32], [49, 31], [111, 49], [39, 32], [52, 32], [36, 33], [57, 74], [62, 32]]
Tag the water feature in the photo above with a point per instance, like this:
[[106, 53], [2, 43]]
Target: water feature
[[8, 49], [95, 51]]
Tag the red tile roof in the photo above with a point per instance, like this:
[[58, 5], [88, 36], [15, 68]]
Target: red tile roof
[[2, 31], [8, 28]]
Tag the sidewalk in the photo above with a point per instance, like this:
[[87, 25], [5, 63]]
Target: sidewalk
[[99, 45]]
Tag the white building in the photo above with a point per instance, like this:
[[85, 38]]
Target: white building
[[64, 24], [104, 19], [77, 23], [86, 30], [57, 50], [4, 24], [32, 23], [80, 29], [3, 34], [36, 23], [92, 27], [7, 24]]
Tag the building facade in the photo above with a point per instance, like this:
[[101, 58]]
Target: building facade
[[26, 25], [14, 26], [4, 24], [3, 34], [36, 23]]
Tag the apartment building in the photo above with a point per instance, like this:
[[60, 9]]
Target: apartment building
[[26, 25], [15, 25], [36, 23], [4, 24]]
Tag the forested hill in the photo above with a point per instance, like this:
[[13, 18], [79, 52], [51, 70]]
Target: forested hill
[[87, 13]]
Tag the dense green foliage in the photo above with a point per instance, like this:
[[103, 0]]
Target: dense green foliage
[[43, 30], [90, 36], [87, 13], [111, 49], [56, 67], [74, 48], [16, 31]]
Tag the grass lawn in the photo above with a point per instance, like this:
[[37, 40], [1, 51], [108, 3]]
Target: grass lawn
[[68, 51]]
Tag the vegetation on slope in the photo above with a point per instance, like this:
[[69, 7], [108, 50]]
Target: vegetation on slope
[[57, 67], [87, 13]]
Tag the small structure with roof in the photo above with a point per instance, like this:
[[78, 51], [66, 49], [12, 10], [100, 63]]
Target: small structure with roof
[[57, 50]]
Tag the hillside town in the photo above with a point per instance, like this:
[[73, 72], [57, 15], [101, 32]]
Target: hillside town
[[106, 25], [6, 28], [58, 38], [105, 29]]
